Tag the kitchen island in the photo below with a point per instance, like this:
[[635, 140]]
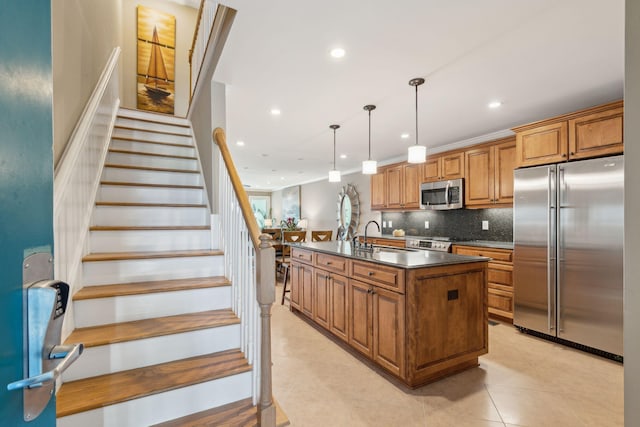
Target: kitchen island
[[418, 315]]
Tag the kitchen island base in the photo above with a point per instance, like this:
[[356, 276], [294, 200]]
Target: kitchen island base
[[418, 324]]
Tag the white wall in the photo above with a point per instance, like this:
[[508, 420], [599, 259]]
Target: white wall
[[185, 26], [319, 203], [84, 34], [631, 214]]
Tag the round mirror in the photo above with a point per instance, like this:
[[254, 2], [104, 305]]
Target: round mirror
[[348, 212]]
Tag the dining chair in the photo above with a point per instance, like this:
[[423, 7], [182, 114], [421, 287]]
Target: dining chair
[[284, 262], [321, 235]]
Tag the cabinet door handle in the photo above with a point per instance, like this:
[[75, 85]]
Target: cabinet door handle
[[328, 262], [370, 273]]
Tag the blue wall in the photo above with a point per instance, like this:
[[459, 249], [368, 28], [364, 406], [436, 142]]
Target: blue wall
[[26, 178]]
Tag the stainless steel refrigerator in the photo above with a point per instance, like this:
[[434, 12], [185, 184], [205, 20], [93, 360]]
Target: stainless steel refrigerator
[[568, 252]]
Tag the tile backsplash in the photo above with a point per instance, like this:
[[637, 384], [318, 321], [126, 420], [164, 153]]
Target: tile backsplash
[[463, 224]]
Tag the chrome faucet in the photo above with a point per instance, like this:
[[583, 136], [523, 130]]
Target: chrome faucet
[[365, 231]]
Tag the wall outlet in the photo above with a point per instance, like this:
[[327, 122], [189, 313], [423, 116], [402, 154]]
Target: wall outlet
[[485, 225], [384, 224], [390, 224], [426, 225]]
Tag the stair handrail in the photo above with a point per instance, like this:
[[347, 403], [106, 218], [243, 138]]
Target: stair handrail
[[251, 269], [247, 213]]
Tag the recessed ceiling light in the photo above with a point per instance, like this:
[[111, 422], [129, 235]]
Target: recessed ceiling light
[[240, 143], [404, 136], [282, 178], [275, 111], [343, 156], [338, 52], [495, 104]]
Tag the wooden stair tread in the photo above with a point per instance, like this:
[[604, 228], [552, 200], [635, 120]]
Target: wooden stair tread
[[147, 228], [235, 414], [153, 130], [149, 168], [94, 336], [145, 153], [118, 256], [161, 116], [146, 141], [138, 288], [157, 205], [144, 184], [104, 390]]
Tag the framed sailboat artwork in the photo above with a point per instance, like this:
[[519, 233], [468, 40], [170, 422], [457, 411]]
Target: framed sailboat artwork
[[156, 60]]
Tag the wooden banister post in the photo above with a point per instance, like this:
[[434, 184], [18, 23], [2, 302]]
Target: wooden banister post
[[266, 295]]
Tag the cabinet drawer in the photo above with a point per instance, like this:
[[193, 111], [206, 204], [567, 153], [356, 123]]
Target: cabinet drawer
[[500, 273], [500, 302], [379, 275], [503, 255], [302, 255], [331, 262]]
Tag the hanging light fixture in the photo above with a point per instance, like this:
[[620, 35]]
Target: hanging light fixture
[[369, 167], [334, 174], [417, 153]]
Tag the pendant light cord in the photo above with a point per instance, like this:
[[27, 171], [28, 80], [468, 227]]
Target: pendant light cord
[[416, 115], [334, 149], [369, 134]]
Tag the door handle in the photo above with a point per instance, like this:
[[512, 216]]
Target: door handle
[[68, 354]]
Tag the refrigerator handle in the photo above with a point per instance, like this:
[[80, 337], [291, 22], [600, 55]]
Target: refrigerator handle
[[446, 193], [562, 190], [551, 204]]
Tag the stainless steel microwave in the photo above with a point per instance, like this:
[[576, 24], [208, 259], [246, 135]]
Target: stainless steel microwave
[[441, 195]]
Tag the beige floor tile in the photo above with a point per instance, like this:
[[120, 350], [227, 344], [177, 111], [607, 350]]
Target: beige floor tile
[[523, 381]]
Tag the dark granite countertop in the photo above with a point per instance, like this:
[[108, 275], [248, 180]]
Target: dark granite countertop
[[478, 243], [397, 257]]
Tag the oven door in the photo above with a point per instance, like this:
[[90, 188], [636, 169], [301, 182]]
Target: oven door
[[442, 195]]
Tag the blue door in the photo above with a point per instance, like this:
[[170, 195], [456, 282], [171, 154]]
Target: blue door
[[26, 179]]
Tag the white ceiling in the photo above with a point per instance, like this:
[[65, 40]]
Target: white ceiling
[[539, 57]]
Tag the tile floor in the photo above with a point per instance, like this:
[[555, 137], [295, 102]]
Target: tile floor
[[523, 381]]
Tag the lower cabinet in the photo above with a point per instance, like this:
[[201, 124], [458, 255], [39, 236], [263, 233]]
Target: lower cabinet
[[302, 287], [361, 317], [321, 293], [339, 306]]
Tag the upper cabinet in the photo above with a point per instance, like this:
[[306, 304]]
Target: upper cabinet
[[443, 167], [396, 187], [489, 174], [587, 133]]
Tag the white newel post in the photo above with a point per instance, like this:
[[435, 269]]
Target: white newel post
[[266, 297]]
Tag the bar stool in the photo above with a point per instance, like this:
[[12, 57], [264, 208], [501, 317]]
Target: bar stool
[[284, 262], [321, 235]]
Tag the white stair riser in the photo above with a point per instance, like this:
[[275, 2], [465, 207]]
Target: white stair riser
[[119, 193], [170, 150], [150, 177], [165, 406], [142, 270], [128, 308], [149, 216], [151, 161], [106, 359], [155, 126], [138, 114], [149, 240], [152, 136]]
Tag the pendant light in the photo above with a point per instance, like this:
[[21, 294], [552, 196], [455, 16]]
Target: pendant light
[[334, 174], [369, 167], [417, 153]]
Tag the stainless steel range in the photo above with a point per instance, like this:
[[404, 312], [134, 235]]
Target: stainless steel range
[[442, 244]]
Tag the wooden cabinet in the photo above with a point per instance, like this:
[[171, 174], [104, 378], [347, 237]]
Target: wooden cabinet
[[443, 167], [321, 296], [383, 241], [489, 174], [378, 190], [339, 306], [376, 318], [593, 132], [302, 287], [500, 278], [384, 276], [396, 187]]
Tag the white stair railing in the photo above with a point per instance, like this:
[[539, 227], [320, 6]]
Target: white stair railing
[[250, 265], [77, 177], [204, 25]]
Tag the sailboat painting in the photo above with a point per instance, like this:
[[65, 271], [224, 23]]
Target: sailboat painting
[[156, 61]]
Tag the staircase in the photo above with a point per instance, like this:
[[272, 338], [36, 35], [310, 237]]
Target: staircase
[[161, 341]]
